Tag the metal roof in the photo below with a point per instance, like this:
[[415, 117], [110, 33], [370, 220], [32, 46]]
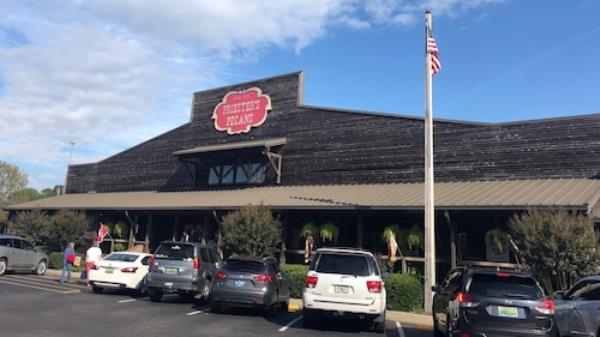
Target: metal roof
[[508, 194], [233, 146]]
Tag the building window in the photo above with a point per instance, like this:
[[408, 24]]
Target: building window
[[239, 174]]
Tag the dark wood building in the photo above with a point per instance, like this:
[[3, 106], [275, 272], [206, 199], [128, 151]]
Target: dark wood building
[[257, 142]]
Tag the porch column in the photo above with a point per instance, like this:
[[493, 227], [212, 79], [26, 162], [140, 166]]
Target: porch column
[[132, 227], [359, 230], [452, 229], [147, 238]]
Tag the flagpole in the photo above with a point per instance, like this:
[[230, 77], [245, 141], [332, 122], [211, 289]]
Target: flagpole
[[429, 200]]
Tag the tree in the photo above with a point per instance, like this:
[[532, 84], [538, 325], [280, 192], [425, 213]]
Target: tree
[[557, 245], [11, 180], [32, 225], [251, 231], [47, 192], [24, 195], [67, 226]]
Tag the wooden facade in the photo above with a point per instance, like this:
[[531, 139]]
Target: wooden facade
[[333, 146]]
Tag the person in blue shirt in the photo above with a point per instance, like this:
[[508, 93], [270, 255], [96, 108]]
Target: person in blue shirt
[[67, 266]]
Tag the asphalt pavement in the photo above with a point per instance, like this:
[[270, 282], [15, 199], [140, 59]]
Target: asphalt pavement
[[40, 307]]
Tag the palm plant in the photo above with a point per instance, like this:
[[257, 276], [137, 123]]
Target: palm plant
[[389, 232], [415, 238], [497, 238], [329, 232], [309, 228]]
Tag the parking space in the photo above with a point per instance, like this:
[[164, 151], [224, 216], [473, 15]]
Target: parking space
[[34, 306]]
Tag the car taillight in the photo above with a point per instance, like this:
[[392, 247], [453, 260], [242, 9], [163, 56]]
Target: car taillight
[[464, 334], [220, 275], [465, 300], [310, 281], [546, 307], [196, 263], [129, 270], [264, 278], [503, 274], [374, 286], [94, 266]]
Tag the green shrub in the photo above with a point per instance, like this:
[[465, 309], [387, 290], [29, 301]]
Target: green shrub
[[56, 262], [404, 292], [119, 247], [296, 273]]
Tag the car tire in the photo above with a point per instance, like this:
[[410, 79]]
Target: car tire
[[97, 290], [205, 293], [3, 266], [283, 306], [155, 294], [142, 290], [308, 319], [41, 268], [379, 324], [436, 330], [215, 307]]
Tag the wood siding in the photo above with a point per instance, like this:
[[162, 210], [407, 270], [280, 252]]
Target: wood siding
[[332, 146]]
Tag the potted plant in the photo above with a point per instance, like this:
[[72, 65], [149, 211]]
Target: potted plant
[[415, 239], [329, 233], [497, 243]]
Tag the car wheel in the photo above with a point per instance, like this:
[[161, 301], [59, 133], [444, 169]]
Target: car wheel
[[2, 266], [206, 292], [436, 330], [142, 290], [97, 290], [41, 268], [155, 294], [283, 306], [379, 323], [308, 319]]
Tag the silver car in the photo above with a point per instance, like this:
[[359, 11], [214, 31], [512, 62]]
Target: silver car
[[577, 310], [19, 255]]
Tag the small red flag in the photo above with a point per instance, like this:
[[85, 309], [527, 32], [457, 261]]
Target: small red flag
[[102, 232]]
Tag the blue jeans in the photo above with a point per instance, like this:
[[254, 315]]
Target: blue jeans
[[66, 269]]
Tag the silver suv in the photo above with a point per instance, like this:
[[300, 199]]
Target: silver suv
[[184, 268], [19, 255]]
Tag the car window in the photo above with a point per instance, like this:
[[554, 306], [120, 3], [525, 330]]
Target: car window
[[373, 265], [593, 292], [313, 261], [121, 257], [245, 266], [5, 242], [27, 245], [454, 280], [16, 243], [146, 261], [505, 286], [578, 290], [175, 251], [343, 264]]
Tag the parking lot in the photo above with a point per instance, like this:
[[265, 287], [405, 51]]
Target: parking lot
[[35, 306]]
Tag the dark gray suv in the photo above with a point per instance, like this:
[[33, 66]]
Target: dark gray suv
[[19, 255], [184, 268]]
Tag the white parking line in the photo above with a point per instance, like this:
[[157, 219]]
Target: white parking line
[[287, 326], [400, 331], [26, 285], [194, 313], [126, 301], [42, 282]]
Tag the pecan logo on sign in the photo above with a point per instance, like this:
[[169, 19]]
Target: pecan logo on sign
[[241, 110]]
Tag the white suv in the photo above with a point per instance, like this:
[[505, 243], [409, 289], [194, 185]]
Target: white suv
[[344, 282]]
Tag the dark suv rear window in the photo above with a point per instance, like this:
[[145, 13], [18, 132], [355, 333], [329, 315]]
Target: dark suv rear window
[[245, 266], [343, 264], [175, 251], [506, 286]]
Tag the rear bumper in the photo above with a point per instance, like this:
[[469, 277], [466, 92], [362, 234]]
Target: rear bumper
[[374, 308], [503, 331], [111, 285], [243, 298], [172, 284]]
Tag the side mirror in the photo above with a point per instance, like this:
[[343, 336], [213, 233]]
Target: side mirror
[[559, 295]]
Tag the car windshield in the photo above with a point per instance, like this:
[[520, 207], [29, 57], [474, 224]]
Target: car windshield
[[343, 264], [175, 251], [256, 267], [121, 257], [504, 285]]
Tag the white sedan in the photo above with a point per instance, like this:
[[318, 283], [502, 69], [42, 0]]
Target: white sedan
[[122, 270]]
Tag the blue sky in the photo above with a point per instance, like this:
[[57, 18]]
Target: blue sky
[[101, 74]]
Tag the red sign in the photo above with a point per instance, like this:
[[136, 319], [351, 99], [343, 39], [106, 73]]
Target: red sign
[[241, 110]]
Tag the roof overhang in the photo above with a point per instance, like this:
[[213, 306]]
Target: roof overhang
[[576, 194], [261, 143]]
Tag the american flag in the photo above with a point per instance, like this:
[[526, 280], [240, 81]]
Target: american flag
[[432, 48]]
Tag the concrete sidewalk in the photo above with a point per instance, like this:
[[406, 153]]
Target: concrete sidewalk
[[419, 321], [55, 275]]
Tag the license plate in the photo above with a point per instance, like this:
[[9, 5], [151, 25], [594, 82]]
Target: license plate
[[171, 270], [510, 312], [108, 271], [168, 284], [341, 289], [239, 283]]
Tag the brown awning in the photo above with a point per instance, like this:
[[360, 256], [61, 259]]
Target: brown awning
[[580, 194], [271, 142]]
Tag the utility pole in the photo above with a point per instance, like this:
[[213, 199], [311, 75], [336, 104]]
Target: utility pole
[[429, 196]]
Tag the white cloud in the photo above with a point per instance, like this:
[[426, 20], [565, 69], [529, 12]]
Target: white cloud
[[108, 74]]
